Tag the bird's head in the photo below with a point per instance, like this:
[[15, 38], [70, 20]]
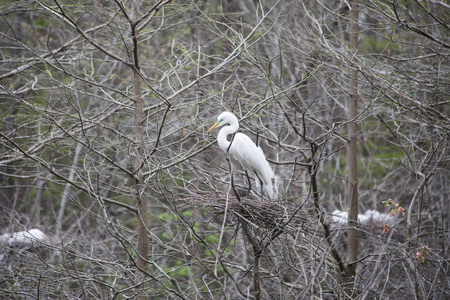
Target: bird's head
[[224, 118]]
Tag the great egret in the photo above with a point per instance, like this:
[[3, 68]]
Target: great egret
[[246, 152], [24, 237]]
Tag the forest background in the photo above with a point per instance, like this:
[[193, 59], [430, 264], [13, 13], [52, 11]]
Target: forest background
[[104, 107]]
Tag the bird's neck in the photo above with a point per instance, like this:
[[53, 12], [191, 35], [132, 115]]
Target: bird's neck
[[223, 134]]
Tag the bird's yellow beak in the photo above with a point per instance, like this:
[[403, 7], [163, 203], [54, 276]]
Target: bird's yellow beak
[[214, 126]]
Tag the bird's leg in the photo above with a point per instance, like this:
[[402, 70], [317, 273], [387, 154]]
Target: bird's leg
[[249, 184], [261, 183]]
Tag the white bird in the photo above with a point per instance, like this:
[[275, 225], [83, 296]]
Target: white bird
[[246, 152], [341, 217], [24, 237]]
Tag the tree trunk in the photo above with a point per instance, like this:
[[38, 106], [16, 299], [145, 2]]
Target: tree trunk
[[352, 180], [141, 214]]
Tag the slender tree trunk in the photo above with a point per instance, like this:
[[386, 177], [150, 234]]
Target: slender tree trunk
[[141, 215], [65, 195], [257, 251], [352, 180]]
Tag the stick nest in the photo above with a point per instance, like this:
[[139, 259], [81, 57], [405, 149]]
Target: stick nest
[[267, 215]]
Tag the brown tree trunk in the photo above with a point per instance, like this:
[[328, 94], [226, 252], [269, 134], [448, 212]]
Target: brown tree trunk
[[352, 180], [141, 214]]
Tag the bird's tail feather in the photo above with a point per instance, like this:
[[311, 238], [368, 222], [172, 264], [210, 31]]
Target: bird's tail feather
[[272, 188]]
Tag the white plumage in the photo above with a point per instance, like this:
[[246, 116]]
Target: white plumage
[[250, 156], [24, 237]]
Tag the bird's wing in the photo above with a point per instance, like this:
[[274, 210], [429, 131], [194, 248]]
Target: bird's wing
[[251, 157]]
